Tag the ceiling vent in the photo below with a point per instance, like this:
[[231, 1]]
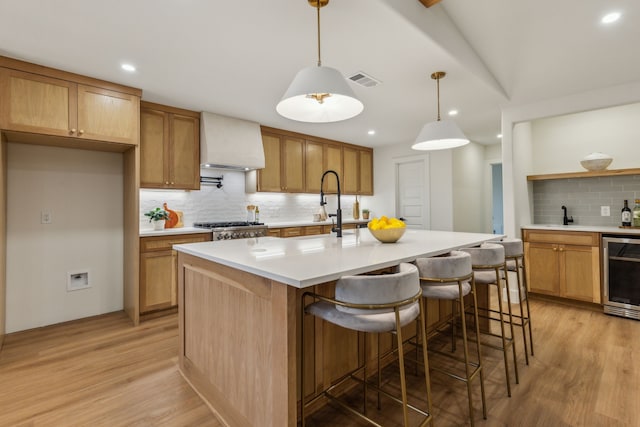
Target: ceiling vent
[[364, 79]]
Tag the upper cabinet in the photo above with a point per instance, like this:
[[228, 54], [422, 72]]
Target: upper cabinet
[[294, 163], [284, 164], [43, 101], [358, 170], [169, 147]]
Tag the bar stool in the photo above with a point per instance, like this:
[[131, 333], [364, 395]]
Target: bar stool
[[488, 260], [514, 254], [450, 277], [373, 303]]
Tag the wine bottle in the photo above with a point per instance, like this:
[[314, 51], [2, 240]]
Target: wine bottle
[[626, 215]]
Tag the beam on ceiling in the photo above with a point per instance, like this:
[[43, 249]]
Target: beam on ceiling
[[429, 3]]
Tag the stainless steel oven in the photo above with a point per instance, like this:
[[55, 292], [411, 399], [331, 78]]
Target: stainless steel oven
[[621, 257]]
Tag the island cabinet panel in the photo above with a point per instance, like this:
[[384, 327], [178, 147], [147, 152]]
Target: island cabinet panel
[[563, 264], [238, 342], [169, 147], [47, 105]]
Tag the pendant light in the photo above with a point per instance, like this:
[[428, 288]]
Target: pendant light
[[441, 134], [319, 94]]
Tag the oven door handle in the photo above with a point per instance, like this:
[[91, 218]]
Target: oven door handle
[[605, 288], [619, 258]]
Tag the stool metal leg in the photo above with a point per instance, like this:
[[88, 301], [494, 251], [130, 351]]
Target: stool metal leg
[[425, 358], [522, 318], [504, 341], [526, 297], [403, 382], [513, 338], [477, 326]]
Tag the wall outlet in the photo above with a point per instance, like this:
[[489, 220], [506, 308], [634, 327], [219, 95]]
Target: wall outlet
[[46, 217], [77, 280], [605, 211]]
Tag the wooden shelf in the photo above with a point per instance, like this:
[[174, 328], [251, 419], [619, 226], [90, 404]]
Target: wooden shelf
[[586, 174]]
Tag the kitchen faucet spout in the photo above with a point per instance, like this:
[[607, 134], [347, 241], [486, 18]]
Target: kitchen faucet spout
[[338, 214], [566, 220]]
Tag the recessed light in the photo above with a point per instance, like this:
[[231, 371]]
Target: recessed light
[[128, 67], [372, 132], [499, 135], [610, 18], [453, 112]]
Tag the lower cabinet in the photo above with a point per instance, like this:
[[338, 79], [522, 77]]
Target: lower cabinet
[[308, 230], [563, 264], [158, 270]]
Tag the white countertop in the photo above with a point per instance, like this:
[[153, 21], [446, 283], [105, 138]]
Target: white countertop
[[310, 260], [172, 231], [588, 228]]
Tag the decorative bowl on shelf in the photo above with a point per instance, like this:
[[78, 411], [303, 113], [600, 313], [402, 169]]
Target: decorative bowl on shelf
[[596, 161], [388, 235]]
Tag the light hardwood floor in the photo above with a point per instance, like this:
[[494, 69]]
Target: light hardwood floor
[[104, 372]]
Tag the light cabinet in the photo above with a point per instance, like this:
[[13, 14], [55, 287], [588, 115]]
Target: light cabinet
[[284, 164], [52, 106], [358, 170], [563, 264], [169, 147], [158, 270]]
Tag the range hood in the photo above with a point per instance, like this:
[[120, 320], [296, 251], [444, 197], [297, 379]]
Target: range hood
[[230, 143]]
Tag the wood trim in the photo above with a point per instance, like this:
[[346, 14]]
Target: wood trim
[[3, 236], [65, 142], [16, 64], [169, 109], [587, 174], [131, 267], [429, 3]]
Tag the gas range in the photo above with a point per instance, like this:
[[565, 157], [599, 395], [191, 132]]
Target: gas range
[[227, 230]]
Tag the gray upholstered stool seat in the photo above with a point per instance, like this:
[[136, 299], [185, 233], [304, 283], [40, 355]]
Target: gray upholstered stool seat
[[488, 263], [514, 255], [450, 277], [373, 303]]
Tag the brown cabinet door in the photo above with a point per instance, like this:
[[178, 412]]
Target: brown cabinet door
[[269, 178], [184, 152], [366, 173], [577, 273], [293, 162], [292, 232], [154, 148], [314, 166], [333, 161], [351, 171], [106, 115], [38, 104], [543, 268], [158, 280]]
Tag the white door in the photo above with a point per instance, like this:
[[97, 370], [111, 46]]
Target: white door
[[412, 193], [496, 191]]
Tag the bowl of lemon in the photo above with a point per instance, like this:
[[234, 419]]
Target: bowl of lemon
[[387, 230]]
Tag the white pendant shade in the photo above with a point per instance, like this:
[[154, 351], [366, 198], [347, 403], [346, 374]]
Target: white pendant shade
[[297, 104], [440, 135]]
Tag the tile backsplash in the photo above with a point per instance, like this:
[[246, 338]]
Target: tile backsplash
[[229, 203], [583, 198]]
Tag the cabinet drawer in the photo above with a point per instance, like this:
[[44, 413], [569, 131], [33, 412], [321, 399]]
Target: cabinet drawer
[[313, 230], [569, 238], [162, 243], [291, 232]]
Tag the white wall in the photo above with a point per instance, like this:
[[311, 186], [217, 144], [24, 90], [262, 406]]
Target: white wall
[[83, 192], [440, 183], [559, 143], [469, 190]]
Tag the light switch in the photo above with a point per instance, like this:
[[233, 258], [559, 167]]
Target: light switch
[[605, 211]]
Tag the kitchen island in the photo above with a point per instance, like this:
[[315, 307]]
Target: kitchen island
[[240, 315]]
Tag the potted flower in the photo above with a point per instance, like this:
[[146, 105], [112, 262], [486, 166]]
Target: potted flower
[[157, 216], [365, 213]]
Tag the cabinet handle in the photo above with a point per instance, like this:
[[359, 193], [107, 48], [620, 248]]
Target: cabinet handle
[[72, 131], [80, 132], [166, 183], [172, 183], [555, 249]]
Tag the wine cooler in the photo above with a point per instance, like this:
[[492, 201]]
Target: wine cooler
[[621, 276]]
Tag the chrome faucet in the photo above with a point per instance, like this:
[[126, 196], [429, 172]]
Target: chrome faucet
[[565, 219], [338, 214]]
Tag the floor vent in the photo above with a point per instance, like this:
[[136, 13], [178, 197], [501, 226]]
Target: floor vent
[[364, 79]]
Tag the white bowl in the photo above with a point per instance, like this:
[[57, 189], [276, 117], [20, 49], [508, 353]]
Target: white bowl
[[596, 161]]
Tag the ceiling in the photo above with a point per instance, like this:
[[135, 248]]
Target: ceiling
[[237, 58]]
